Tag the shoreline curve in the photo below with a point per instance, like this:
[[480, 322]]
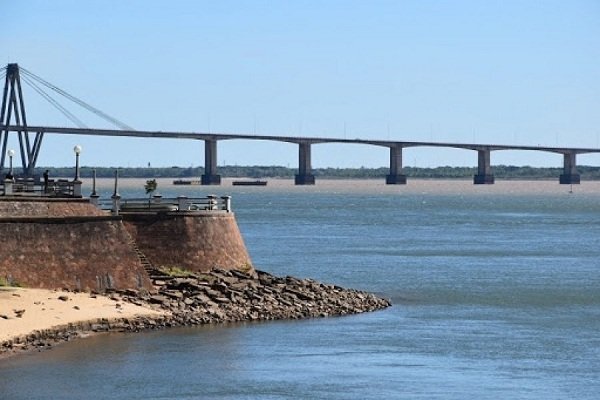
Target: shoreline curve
[[219, 296]]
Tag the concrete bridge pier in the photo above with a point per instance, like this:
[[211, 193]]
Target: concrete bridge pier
[[570, 175], [395, 177], [304, 176], [484, 169], [210, 176]]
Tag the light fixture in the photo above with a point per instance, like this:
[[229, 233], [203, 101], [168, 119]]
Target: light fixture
[[10, 153], [77, 150]]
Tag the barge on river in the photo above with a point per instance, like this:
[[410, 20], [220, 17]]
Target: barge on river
[[249, 183], [186, 182]]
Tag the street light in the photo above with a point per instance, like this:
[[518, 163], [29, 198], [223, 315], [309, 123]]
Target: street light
[[77, 150], [94, 183], [11, 153]]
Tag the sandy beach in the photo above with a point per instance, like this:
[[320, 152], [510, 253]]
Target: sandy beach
[[23, 311]]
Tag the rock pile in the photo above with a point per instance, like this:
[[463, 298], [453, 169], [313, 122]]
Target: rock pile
[[231, 296], [215, 297]]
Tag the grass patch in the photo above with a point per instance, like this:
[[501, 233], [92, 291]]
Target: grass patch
[[176, 272], [8, 282], [246, 268]]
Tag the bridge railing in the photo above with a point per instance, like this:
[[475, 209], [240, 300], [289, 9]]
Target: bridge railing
[[158, 203]]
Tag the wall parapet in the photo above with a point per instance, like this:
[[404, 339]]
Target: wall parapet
[[59, 220]]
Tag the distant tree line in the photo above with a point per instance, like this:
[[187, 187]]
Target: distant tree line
[[231, 171]]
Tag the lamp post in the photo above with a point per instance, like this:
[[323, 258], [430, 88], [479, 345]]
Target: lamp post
[[116, 198], [9, 179], [77, 150], [94, 196], [94, 183], [76, 181], [11, 153]]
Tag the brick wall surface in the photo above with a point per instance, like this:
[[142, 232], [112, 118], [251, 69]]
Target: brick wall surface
[[72, 244], [47, 208], [66, 244], [84, 255], [193, 241]]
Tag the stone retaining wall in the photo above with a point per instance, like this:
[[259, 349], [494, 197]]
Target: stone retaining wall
[[66, 244], [194, 241]]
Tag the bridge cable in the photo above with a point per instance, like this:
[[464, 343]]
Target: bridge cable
[[72, 117], [55, 103], [80, 102]]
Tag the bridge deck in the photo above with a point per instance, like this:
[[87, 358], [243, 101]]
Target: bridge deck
[[289, 139]]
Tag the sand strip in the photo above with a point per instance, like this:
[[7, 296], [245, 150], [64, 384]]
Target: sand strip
[[45, 309]]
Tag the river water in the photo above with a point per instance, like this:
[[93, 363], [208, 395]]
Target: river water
[[495, 290]]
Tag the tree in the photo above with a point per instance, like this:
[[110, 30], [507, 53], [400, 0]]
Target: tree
[[150, 187]]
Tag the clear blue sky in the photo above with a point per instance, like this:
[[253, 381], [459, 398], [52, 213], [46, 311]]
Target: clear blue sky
[[506, 72]]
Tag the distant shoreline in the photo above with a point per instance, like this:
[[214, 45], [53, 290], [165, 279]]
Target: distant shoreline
[[502, 172]]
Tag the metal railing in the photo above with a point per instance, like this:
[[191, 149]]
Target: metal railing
[[159, 204], [29, 187]]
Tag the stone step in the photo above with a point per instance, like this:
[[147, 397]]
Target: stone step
[[159, 277]]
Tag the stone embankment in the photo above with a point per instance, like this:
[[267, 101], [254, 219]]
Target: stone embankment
[[229, 296], [215, 297]]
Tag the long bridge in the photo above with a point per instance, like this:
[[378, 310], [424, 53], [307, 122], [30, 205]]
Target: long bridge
[[13, 104]]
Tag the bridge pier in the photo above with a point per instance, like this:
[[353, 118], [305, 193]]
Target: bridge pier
[[304, 176], [395, 177], [484, 169], [570, 175], [210, 176]]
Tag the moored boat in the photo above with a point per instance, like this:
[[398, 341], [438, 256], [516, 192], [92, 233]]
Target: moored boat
[[249, 183], [186, 182]]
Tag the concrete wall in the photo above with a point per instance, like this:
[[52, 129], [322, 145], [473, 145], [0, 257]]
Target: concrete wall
[[45, 246], [196, 241]]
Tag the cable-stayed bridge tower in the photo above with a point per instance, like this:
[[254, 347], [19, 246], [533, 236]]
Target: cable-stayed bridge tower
[[13, 109], [13, 114]]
